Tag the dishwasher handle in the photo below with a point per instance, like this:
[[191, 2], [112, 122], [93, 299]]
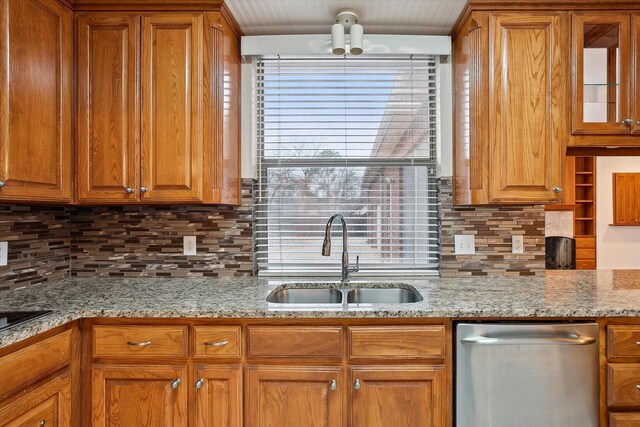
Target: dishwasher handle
[[543, 339]]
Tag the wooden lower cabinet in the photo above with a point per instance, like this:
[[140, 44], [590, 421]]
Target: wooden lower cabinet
[[218, 396], [384, 396], [294, 396], [48, 405], [124, 396]]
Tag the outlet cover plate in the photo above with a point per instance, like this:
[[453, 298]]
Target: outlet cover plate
[[517, 244], [4, 253], [465, 244], [189, 245]]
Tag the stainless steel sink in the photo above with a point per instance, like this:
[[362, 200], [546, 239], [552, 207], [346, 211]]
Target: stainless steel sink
[[383, 296], [305, 296]]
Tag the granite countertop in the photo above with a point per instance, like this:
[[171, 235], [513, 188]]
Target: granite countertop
[[603, 293]]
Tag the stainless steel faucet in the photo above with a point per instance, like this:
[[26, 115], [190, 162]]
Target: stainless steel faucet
[[326, 247]]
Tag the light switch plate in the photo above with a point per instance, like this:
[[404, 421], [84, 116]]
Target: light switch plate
[[465, 244], [517, 244], [4, 253], [189, 245]]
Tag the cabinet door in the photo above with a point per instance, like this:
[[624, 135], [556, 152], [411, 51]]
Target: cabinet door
[[108, 115], [172, 108], [218, 397], [527, 99], [139, 396], [626, 200], [294, 397], [602, 58], [400, 397], [636, 73], [49, 405], [35, 100]]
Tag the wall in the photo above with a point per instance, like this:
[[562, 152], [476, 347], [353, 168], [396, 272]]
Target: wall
[[39, 244], [493, 227], [617, 247]]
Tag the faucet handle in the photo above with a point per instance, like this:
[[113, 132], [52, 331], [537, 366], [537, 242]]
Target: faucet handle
[[357, 267]]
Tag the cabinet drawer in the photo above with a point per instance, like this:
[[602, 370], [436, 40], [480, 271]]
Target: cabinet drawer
[[396, 341], [216, 341], [299, 341], [139, 341], [585, 254], [585, 242], [585, 264], [622, 382], [623, 341], [26, 366], [630, 419]]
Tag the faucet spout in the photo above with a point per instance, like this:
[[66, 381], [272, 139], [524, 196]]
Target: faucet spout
[[326, 246]]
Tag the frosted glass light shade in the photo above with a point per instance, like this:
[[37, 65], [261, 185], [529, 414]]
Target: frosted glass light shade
[[337, 39], [357, 35]]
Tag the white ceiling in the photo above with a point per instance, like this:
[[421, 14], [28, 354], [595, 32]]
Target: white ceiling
[[262, 17]]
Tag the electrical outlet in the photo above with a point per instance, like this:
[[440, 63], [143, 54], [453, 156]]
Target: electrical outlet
[[465, 244], [4, 253], [517, 244], [189, 245]]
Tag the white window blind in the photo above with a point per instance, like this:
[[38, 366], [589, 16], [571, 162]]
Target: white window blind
[[356, 136]]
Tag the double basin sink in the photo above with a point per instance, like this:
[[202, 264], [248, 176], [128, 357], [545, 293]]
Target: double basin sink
[[380, 294]]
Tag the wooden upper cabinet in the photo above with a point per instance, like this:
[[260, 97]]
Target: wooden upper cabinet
[[35, 101], [108, 107], [139, 396], [626, 199], [172, 145], [527, 97], [635, 30]]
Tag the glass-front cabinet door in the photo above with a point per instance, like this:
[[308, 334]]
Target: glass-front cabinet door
[[602, 74]]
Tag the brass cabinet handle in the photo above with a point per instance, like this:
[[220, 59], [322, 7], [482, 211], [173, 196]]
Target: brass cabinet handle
[[138, 343], [130, 190], [216, 343], [143, 189], [199, 383], [356, 384], [333, 385], [175, 383]]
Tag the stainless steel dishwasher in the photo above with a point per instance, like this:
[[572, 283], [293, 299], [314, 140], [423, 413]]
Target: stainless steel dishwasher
[[526, 375]]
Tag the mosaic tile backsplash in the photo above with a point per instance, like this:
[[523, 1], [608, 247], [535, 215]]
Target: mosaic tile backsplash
[[493, 227]]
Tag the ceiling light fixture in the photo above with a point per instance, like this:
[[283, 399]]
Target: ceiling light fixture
[[347, 20]]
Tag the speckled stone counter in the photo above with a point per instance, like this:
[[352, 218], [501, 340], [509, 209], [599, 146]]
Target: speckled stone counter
[[566, 294]]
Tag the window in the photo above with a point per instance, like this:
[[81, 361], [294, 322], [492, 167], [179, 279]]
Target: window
[[356, 136]]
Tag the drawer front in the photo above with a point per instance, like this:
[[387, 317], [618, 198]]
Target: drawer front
[[585, 242], [26, 366], [298, 341], [623, 380], [629, 419], [586, 254], [139, 341], [216, 341], [585, 264], [623, 341], [396, 342]]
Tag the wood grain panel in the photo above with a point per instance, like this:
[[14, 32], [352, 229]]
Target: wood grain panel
[[298, 341], [44, 357], [624, 419], [635, 82], [396, 341], [50, 403], [585, 242], [108, 107], [623, 341], [219, 400], [35, 101], [217, 341], [138, 396], [528, 106], [118, 341], [293, 397], [399, 397], [172, 146], [622, 379], [626, 198]]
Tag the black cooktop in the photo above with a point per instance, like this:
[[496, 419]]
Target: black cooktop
[[12, 318]]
